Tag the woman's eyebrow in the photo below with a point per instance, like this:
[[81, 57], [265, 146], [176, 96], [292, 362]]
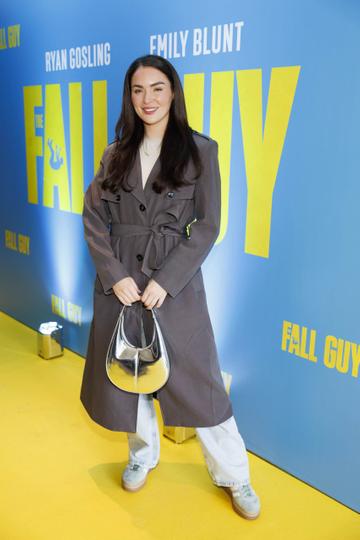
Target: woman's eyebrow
[[153, 84]]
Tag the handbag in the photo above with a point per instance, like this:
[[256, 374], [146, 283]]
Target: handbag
[[139, 370]]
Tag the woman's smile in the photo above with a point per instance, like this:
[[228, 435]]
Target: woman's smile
[[149, 110]]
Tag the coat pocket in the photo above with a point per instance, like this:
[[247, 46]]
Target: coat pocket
[[183, 192], [179, 200]]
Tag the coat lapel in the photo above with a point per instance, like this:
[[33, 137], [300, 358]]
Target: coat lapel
[[151, 179], [135, 180]]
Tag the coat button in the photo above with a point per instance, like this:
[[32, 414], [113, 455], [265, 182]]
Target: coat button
[[142, 207], [170, 194], [139, 257]]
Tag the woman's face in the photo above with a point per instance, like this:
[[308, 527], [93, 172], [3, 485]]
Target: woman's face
[[151, 95]]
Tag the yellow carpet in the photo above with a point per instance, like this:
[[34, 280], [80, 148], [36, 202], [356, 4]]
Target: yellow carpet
[[60, 472]]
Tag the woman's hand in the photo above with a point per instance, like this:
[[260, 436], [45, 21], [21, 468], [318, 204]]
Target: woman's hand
[[154, 295], [127, 291]]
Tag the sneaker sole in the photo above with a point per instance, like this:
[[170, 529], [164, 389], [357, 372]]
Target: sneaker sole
[[238, 510], [132, 489]]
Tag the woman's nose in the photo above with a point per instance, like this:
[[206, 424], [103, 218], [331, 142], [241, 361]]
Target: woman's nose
[[148, 96]]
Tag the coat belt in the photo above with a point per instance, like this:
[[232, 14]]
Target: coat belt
[[154, 255]]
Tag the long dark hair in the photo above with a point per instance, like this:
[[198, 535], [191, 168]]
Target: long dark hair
[[178, 145]]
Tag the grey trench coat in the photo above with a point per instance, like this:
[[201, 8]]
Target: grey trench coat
[[146, 241]]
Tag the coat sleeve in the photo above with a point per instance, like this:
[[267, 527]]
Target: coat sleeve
[[187, 257], [95, 220]]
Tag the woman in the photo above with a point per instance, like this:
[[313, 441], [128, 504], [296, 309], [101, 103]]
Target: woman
[[151, 216]]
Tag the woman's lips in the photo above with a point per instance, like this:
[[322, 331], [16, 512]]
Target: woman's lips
[[150, 110]]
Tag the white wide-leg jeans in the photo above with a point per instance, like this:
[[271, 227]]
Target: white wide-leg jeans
[[222, 445]]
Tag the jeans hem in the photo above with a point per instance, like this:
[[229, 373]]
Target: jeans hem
[[233, 483]]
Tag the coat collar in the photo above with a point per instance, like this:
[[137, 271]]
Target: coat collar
[[135, 180]]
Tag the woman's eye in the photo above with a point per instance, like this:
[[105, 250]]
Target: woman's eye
[[137, 91], [158, 89]]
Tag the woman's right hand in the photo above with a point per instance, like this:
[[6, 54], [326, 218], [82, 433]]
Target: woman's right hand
[[127, 291]]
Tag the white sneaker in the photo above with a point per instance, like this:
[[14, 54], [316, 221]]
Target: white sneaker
[[134, 477], [244, 500]]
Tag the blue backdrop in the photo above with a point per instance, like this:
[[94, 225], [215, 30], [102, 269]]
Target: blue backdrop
[[276, 84]]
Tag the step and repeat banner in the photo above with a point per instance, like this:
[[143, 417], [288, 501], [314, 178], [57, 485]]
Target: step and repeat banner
[[277, 85]]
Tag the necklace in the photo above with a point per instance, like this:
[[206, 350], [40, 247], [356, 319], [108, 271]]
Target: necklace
[[151, 146]]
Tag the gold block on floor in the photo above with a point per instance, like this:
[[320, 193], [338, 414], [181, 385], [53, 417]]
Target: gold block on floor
[[180, 434], [50, 340]]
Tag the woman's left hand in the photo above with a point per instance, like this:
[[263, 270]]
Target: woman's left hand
[[153, 295]]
